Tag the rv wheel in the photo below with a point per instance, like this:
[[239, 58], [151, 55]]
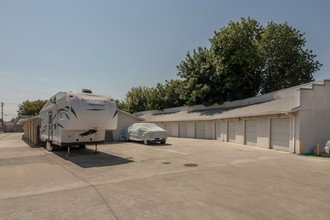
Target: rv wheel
[[49, 146]]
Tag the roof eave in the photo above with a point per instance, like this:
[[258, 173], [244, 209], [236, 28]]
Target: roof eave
[[285, 112]]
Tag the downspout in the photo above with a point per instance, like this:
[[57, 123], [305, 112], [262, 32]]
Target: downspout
[[294, 131]]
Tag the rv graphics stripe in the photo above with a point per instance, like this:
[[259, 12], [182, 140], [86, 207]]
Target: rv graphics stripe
[[55, 125], [95, 109], [96, 104], [66, 115], [115, 114], [64, 111], [73, 112], [89, 132], [54, 117], [45, 127], [66, 108]]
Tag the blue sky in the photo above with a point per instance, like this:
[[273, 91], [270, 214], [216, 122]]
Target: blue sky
[[111, 46]]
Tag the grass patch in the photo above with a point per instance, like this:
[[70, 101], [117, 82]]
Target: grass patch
[[309, 155]]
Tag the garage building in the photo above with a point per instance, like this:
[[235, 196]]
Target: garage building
[[124, 121], [294, 119]]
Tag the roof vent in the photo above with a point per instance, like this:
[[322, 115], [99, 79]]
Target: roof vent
[[86, 91]]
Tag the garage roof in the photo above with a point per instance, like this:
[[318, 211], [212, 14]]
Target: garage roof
[[279, 102], [285, 105]]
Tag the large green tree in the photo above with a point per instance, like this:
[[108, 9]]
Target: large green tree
[[237, 60], [156, 98], [173, 93], [245, 59], [136, 99], [229, 70], [286, 61], [199, 79], [122, 105], [166, 95], [31, 107]]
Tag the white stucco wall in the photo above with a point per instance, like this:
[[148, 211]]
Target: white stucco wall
[[314, 117], [124, 121], [224, 130], [162, 125], [191, 129], [30, 127], [209, 130], [168, 128], [263, 132], [297, 131], [294, 121], [175, 129], [240, 131], [219, 130]]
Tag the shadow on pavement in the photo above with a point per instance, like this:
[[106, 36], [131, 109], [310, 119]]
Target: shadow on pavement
[[87, 158], [151, 143], [30, 144]]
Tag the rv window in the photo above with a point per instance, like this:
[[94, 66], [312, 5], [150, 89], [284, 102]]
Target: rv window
[[53, 99]]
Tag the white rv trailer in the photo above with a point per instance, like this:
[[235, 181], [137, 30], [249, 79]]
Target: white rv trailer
[[71, 118]]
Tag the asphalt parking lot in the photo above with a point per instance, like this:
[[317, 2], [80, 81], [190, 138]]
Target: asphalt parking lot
[[184, 179]]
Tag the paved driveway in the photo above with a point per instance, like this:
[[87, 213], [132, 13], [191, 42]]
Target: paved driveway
[[185, 179]]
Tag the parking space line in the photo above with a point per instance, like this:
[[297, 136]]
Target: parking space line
[[171, 151]]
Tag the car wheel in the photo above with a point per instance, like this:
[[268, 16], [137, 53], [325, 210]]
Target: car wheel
[[146, 142], [163, 142]]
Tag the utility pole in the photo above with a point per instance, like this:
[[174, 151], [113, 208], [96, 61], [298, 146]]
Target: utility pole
[[2, 113]]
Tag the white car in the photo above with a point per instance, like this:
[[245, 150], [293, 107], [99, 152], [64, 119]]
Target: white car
[[327, 147], [146, 132]]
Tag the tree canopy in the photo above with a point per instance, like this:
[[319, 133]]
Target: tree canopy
[[286, 62], [199, 81], [244, 59], [31, 107], [237, 60], [159, 97]]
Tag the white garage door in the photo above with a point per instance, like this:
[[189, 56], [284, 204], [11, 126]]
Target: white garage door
[[200, 130], [280, 134], [251, 132], [219, 131], [168, 127], [209, 130], [183, 129], [231, 131]]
